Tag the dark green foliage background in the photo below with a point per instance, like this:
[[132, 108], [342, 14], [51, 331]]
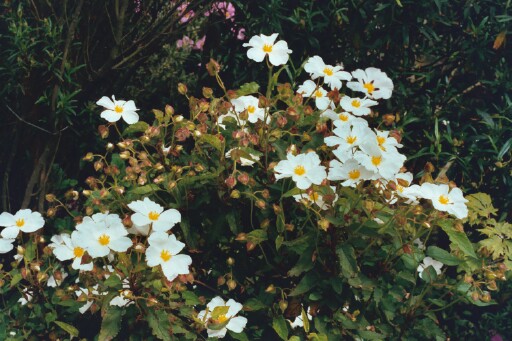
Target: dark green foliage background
[[439, 53]]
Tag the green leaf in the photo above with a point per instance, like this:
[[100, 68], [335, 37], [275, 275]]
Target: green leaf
[[443, 256], [143, 190], [113, 281], [138, 127], [68, 328], [479, 205], [257, 236], [309, 281], [159, 324], [30, 252], [238, 336], [111, 323], [16, 277], [292, 192], [347, 257], [248, 88], [211, 140], [253, 304], [279, 325], [190, 298], [279, 242], [459, 239]]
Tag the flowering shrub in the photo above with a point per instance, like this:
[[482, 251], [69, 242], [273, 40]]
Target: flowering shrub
[[283, 215]]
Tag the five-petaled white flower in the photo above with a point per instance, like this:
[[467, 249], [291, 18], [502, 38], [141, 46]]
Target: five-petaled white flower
[[65, 247], [101, 233], [373, 82], [310, 89], [249, 103], [317, 198], [333, 75], [304, 169], [149, 212], [262, 45], [350, 172], [6, 245], [163, 250], [24, 220], [115, 109], [444, 199], [357, 106], [232, 322], [428, 261], [344, 118]]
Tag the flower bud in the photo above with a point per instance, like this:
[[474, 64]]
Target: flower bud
[[241, 236], [50, 213], [231, 284], [212, 67], [88, 157], [207, 92], [388, 119], [230, 261], [261, 204], [50, 197], [270, 289], [221, 281], [235, 194], [230, 181], [283, 305], [103, 131], [323, 224], [250, 246], [182, 88]]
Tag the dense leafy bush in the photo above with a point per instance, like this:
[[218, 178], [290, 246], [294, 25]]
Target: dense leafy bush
[[294, 203]]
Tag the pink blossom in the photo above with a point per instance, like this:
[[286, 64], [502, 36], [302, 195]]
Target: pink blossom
[[187, 16], [241, 34], [184, 42], [224, 8], [200, 44]]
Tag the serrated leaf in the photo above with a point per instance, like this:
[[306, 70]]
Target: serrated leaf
[[347, 257], [71, 330], [138, 127], [443, 256], [143, 190], [257, 236], [459, 239], [211, 140], [111, 323], [308, 282], [254, 304], [248, 88], [159, 324], [280, 326], [479, 205]]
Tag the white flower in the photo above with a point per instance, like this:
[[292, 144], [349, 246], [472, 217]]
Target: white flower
[[149, 212], [373, 82], [344, 118], [6, 245], [299, 320], [122, 300], [234, 323], [350, 172], [244, 161], [387, 143], [163, 250], [262, 45], [446, 200], [116, 109], [310, 89], [357, 106], [85, 291], [387, 165], [346, 137], [24, 220], [317, 198], [428, 261], [26, 297], [419, 244], [333, 75], [102, 233], [65, 247], [53, 282], [249, 103], [304, 169]]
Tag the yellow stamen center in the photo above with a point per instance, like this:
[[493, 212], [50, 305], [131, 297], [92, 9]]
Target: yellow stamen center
[[118, 109], [251, 109], [369, 87], [104, 239], [356, 103], [299, 170], [354, 174], [165, 255], [314, 196], [443, 199], [351, 139], [376, 160], [20, 222], [78, 252], [267, 48], [221, 319], [153, 215], [381, 140], [399, 188], [319, 94], [328, 71], [343, 117]]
